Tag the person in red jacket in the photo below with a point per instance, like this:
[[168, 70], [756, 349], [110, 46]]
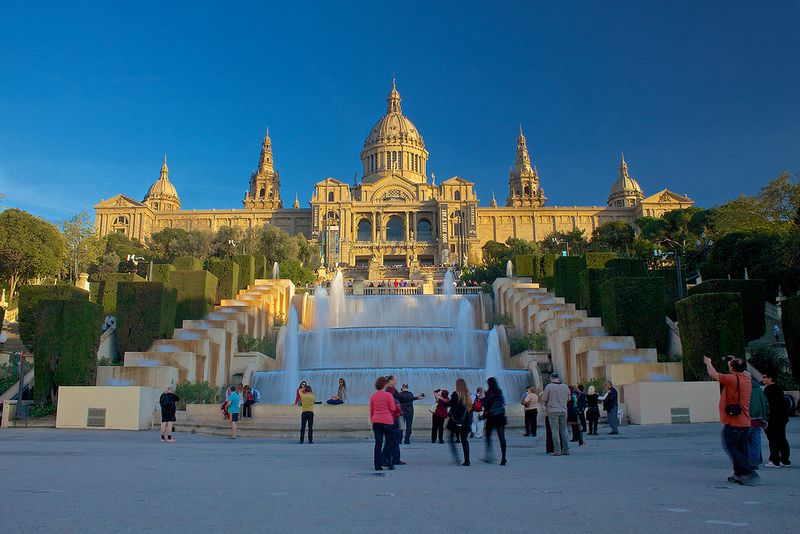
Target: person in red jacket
[[383, 410]]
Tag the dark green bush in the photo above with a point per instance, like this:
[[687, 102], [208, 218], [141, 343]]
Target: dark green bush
[[264, 345], [627, 267], [247, 270], [670, 277], [753, 293], [524, 265], [263, 270], [67, 337], [710, 325], [29, 297], [568, 277], [548, 282], [187, 263], [299, 274], [790, 319], [598, 260], [547, 266], [635, 307], [591, 279], [227, 273], [107, 290], [198, 393], [197, 293], [162, 272], [145, 312]]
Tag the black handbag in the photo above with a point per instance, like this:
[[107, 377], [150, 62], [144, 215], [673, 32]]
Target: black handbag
[[735, 409]]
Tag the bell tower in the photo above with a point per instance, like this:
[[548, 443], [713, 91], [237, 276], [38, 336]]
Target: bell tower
[[523, 180], [265, 182]]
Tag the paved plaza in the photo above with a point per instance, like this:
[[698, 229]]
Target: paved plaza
[[654, 479]]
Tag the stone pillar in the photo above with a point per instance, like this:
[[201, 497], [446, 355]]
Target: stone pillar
[[82, 281]]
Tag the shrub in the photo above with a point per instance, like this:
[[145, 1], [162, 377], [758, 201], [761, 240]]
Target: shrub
[[532, 341], [790, 318], [197, 293], [753, 294], [710, 325], [298, 273], [548, 282], [524, 265], [765, 357], [67, 337], [502, 319], [8, 377], [145, 312], [227, 273], [547, 265], [264, 345], [29, 297], [199, 393], [262, 270], [247, 270], [107, 290], [591, 279], [627, 267], [187, 263], [162, 272], [635, 307], [670, 277], [568, 277], [43, 410], [598, 260]]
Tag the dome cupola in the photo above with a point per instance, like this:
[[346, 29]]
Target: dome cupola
[[626, 191], [162, 195]]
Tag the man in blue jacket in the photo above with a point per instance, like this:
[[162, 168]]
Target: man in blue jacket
[[611, 405]]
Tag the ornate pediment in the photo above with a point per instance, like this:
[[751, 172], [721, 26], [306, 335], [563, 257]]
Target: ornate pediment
[[119, 201], [665, 196], [457, 180]]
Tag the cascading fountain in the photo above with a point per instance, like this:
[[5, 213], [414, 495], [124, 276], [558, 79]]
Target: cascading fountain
[[449, 283], [276, 271], [427, 341], [509, 269]]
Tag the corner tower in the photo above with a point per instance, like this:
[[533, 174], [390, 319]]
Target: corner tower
[[394, 146], [265, 182], [523, 180]]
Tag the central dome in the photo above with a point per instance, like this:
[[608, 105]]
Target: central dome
[[394, 146]]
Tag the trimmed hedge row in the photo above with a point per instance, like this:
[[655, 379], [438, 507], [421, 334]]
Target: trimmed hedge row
[[227, 273], [197, 293], [29, 297], [591, 279], [670, 277], [627, 267], [790, 321], [187, 263], [524, 265], [107, 290], [145, 312], [547, 266], [710, 325], [67, 338], [262, 271], [635, 307], [598, 260], [568, 271], [162, 272], [753, 294], [247, 270]]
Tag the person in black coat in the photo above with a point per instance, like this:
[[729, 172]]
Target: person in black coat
[[776, 427], [610, 405], [494, 412], [459, 419], [168, 410]]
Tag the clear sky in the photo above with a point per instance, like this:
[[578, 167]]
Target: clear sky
[[703, 97]]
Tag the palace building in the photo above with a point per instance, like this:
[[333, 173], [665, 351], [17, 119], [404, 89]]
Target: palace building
[[397, 215]]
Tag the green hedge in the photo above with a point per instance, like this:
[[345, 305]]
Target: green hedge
[[591, 279], [187, 263], [753, 293], [197, 293], [227, 273], [548, 282], [524, 265], [635, 307], [67, 338], [247, 270], [263, 271], [145, 312], [790, 320], [710, 325], [627, 267], [670, 277], [162, 272], [568, 271], [547, 266], [29, 297], [107, 290], [598, 260]]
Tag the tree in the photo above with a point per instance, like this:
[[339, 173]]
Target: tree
[[307, 253], [574, 239], [522, 247], [298, 273], [780, 199], [221, 245], [616, 236], [495, 253], [83, 248], [170, 243], [29, 247], [277, 245]]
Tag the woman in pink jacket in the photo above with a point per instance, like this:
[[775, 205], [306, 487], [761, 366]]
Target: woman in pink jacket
[[382, 412]]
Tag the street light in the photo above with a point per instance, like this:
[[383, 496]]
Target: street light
[[557, 241]]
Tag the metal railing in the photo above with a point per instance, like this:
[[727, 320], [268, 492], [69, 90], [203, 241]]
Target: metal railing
[[393, 290], [465, 290]]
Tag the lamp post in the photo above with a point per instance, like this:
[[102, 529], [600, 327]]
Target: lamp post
[[558, 241], [678, 268]]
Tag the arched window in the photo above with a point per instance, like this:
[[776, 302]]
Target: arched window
[[424, 230], [330, 196], [364, 232], [120, 221], [527, 190], [261, 192], [395, 229], [457, 195]]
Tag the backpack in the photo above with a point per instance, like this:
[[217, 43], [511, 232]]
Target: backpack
[[477, 406]]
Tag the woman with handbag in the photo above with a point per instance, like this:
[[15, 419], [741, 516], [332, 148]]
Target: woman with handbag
[[494, 413], [460, 419], [439, 416]]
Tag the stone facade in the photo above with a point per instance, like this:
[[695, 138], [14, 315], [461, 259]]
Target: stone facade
[[395, 215]]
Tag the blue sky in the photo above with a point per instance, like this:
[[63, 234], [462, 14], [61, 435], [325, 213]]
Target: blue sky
[[701, 96]]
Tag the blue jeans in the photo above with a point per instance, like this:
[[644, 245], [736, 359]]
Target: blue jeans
[[735, 440], [613, 420], [754, 446], [408, 420], [382, 432]]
